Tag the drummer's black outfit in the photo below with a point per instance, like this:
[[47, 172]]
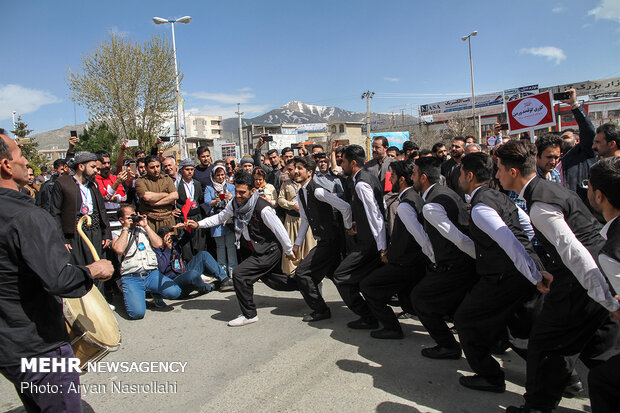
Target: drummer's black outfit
[[35, 270]]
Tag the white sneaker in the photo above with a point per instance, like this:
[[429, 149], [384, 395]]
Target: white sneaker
[[112, 307], [242, 321], [207, 279]]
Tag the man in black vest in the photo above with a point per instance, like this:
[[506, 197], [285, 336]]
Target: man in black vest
[[452, 274], [369, 240], [76, 196], [316, 212], [508, 268], [256, 220], [604, 380], [405, 261], [574, 320], [190, 188]]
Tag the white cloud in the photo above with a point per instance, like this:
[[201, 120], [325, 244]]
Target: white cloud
[[607, 9], [225, 98], [244, 89], [391, 79], [558, 9], [550, 52], [22, 100], [228, 111]]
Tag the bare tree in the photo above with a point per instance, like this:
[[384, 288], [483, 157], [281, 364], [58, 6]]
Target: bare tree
[[458, 125], [128, 86]]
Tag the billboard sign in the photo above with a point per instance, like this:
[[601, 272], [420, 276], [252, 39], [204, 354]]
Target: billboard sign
[[529, 113], [394, 138]]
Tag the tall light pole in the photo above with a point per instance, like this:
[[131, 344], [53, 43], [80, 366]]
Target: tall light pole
[[180, 115], [239, 114], [14, 113], [368, 95], [471, 73]]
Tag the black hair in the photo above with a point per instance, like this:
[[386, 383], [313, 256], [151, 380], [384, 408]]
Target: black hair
[[409, 146], [285, 150], [307, 162], [548, 140], [290, 161], [151, 158], [270, 151], [58, 163], [425, 152], [120, 212], [605, 176], [316, 145], [460, 138], [162, 231], [340, 149], [403, 169], [520, 155], [102, 154], [394, 148], [480, 164], [202, 149], [142, 159], [140, 151], [259, 170], [611, 132], [431, 167], [5, 151], [355, 153], [383, 139], [437, 146], [244, 178]]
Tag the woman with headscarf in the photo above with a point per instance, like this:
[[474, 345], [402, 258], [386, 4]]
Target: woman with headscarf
[[216, 198]]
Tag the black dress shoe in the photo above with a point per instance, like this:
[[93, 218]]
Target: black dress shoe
[[364, 324], [387, 334], [477, 382], [439, 352], [226, 285], [317, 316]]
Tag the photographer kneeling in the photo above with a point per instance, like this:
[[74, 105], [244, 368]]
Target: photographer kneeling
[[187, 275], [134, 242]]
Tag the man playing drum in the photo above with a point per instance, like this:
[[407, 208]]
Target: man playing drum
[[32, 327]]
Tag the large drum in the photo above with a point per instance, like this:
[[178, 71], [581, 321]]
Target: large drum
[[92, 327]]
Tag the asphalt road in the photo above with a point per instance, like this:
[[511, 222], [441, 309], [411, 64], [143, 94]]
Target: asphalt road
[[281, 364]]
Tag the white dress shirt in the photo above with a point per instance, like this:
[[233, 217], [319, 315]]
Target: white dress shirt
[[373, 213], [409, 217], [610, 267], [329, 198], [489, 221], [437, 216], [268, 216]]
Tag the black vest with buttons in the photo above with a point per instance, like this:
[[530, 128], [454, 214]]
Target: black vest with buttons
[[577, 216], [612, 245], [490, 256], [320, 215], [364, 240], [446, 253], [403, 248], [262, 238]]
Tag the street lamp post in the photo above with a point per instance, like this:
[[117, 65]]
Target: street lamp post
[[180, 116], [368, 95], [471, 73]]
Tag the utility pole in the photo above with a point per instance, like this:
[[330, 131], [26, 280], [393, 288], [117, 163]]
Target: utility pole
[[471, 73], [239, 114], [14, 113], [368, 95]]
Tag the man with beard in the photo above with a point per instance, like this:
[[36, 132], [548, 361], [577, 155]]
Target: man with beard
[[548, 151], [440, 152], [457, 151], [76, 196], [369, 236], [45, 193], [604, 380], [202, 171], [405, 260], [575, 317], [256, 220], [157, 195], [380, 162], [607, 141], [448, 280], [111, 187], [315, 210], [325, 177], [31, 189]]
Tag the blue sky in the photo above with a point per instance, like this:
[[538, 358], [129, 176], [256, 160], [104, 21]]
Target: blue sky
[[266, 53]]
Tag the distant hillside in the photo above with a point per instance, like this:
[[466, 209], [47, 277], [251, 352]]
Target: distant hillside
[[57, 138]]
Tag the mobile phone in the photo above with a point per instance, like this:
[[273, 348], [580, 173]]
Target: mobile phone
[[165, 138], [503, 126], [561, 96], [74, 134], [132, 166], [343, 142], [267, 138], [295, 146], [133, 143]]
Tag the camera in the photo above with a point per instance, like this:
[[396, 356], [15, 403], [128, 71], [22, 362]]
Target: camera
[[135, 218], [174, 239]]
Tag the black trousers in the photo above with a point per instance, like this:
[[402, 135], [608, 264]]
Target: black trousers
[[320, 262], [604, 386], [381, 285], [438, 295], [347, 277], [482, 318], [570, 326], [265, 267]]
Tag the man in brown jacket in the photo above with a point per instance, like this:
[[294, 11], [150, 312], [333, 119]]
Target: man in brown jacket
[[157, 195]]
